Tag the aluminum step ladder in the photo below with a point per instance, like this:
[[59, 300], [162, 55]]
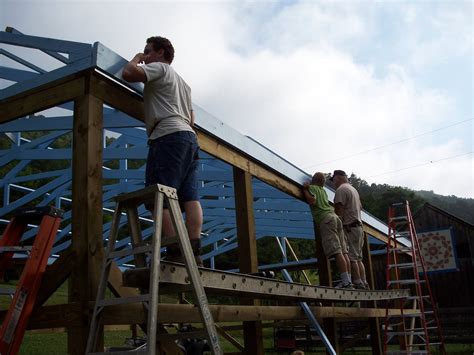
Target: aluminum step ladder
[[24, 295], [415, 331], [128, 203]]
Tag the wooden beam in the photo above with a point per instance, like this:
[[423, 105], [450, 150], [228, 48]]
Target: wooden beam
[[187, 313], [56, 274], [248, 260], [375, 233], [230, 155], [86, 213], [41, 98], [57, 316], [117, 96], [70, 315], [222, 332]]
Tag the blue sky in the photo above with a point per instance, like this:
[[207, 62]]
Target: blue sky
[[312, 80]]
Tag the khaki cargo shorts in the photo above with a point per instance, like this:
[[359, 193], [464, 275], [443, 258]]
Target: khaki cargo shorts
[[355, 242], [332, 235]]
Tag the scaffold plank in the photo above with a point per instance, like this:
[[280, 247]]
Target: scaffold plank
[[246, 285]]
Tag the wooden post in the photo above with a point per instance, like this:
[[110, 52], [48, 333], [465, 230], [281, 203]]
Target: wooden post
[[325, 279], [86, 214], [248, 261], [374, 323]]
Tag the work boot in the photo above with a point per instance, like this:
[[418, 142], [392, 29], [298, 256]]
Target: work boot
[[173, 252]]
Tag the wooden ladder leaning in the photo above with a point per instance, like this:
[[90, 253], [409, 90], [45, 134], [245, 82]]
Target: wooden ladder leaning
[[128, 203]]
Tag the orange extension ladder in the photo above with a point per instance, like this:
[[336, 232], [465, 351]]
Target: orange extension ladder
[[418, 331], [24, 296]]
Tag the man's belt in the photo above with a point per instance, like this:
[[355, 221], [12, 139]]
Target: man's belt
[[353, 225]]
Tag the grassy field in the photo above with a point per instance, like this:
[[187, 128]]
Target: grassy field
[[55, 343]]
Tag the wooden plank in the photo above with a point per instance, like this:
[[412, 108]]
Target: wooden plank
[[41, 98], [174, 279], [86, 213], [247, 250], [57, 316], [229, 338], [188, 313], [117, 96], [70, 315], [56, 274], [374, 324], [224, 152]]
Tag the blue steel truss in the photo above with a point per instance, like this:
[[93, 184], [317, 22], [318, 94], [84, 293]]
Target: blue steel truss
[[276, 213]]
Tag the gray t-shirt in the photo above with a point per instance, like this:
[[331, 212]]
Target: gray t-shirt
[[167, 100], [348, 196]]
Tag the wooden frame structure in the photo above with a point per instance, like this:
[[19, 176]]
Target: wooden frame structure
[[90, 90]]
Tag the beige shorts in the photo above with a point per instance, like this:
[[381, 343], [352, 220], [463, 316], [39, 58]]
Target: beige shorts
[[355, 242], [332, 235]]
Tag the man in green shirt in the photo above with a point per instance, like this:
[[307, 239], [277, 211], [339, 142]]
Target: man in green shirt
[[329, 226]]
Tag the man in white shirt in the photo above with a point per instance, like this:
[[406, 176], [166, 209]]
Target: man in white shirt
[[348, 207], [173, 148]]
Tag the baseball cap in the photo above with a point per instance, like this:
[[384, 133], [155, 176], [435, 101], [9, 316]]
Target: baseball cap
[[338, 172]]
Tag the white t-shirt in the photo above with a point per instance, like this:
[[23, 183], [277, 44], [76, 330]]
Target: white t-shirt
[[348, 196], [167, 100]]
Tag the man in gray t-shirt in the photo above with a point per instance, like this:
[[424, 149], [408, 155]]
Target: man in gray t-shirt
[[348, 207], [173, 147]]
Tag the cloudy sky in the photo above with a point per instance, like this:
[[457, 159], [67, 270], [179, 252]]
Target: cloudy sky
[[380, 89]]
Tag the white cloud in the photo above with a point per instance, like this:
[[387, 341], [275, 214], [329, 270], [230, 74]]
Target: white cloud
[[287, 76]]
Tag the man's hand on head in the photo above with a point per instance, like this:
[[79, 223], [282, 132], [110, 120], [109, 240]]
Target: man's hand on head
[[132, 72], [139, 57]]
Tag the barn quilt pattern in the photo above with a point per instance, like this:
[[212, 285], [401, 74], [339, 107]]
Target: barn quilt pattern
[[438, 251]]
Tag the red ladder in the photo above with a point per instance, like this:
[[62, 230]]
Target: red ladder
[[416, 329], [16, 320]]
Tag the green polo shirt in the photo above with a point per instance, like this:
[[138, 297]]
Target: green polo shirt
[[321, 207]]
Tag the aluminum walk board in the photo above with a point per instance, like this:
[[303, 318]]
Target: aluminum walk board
[[234, 283]]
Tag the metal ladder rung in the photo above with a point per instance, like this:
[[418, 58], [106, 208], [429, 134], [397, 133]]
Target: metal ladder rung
[[405, 282], [416, 297], [401, 352], [401, 249], [402, 265], [407, 332], [7, 291], [421, 344], [15, 249], [123, 300], [399, 218], [402, 234], [408, 315], [131, 251], [123, 352]]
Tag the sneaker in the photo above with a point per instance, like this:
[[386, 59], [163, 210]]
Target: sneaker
[[348, 285], [360, 286]]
